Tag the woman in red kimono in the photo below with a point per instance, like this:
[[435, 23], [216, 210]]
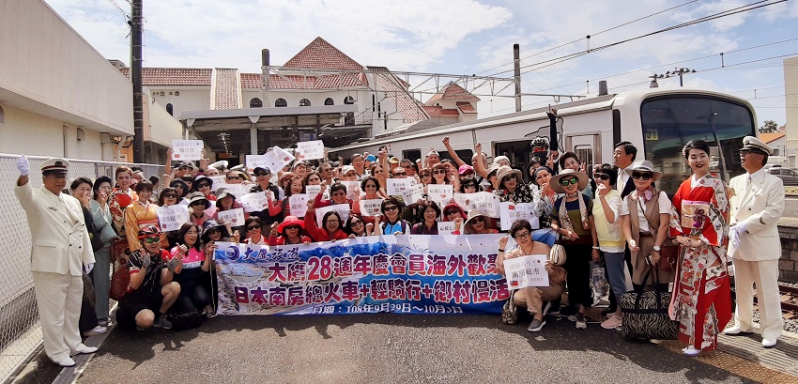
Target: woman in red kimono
[[121, 197], [701, 300]]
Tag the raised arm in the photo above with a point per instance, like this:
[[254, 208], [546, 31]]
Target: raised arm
[[452, 153]]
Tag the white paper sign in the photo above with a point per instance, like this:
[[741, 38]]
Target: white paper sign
[[342, 209], [416, 193], [234, 217], [370, 207], [352, 189], [510, 212], [237, 190], [486, 202], [217, 181], [445, 227], [254, 161], [310, 150], [277, 158], [187, 149], [440, 193], [171, 218], [256, 202], [526, 271], [298, 204], [312, 191], [397, 186]]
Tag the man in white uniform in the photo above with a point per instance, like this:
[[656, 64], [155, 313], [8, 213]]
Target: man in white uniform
[[60, 252], [755, 248]]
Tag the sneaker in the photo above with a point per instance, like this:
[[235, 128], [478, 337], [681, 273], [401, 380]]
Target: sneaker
[[580, 321], [162, 322], [546, 308], [691, 351], [536, 325], [655, 341], [98, 330], [612, 323]]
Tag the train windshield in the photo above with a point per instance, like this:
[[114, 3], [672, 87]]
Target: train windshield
[[669, 122]]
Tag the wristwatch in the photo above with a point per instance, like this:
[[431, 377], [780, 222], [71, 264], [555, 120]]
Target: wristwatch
[[657, 248]]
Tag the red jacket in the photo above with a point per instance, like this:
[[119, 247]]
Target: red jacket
[[319, 234]]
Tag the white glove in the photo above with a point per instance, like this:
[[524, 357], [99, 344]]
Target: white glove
[[23, 165], [730, 270], [734, 236], [88, 267]]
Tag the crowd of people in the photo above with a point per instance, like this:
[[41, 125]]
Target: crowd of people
[[612, 213]]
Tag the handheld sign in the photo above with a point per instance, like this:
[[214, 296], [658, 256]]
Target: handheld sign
[[254, 161], [342, 209], [298, 204], [510, 212], [310, 150], [217, 181], [256, 202], [312, 191], [234, 217], [397, 186], [440, 193], [445, 227], [277, 158], [352, 189], [171, 218], [526, 271], [416, 193], [370, 207], [237, 190], [187, 149], [486, 202]]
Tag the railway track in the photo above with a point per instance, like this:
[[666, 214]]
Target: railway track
[[789, 301]]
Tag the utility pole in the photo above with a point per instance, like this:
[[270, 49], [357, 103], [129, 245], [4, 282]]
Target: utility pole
[[517, 62], [676, 72], [135, 75]]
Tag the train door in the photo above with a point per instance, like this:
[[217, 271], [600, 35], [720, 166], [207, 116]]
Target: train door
[[587, 148], [518, 152]]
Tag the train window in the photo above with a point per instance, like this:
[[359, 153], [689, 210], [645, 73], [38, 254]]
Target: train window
[[463, 154], [669, 122], [585, 154], [411, 154]]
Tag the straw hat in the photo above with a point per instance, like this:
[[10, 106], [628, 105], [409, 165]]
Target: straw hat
[[507, 171], [645, 166], [555, 185], [474, 213], [195, 197]]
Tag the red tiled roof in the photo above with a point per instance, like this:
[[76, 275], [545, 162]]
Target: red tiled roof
[[452, 91], [346, 80], [321, 54], [226, 91], [466, 107], [173, 77], [437, 111], [394, 91], [771, 137]]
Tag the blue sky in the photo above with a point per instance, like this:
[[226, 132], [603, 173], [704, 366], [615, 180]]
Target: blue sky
[[468, 37]]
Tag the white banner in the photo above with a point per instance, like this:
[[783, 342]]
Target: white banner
[[444, 227], [298, 204], [256, 202], [395, 187], [237, 190], [186, 150], [440, 193], [310, 150], [217, 181], [510, 212], [312, 191], [171, 218], [370, 207], [277, 158], [234, 217], [526, 271], [342, 209], [254, 161], [352, 189]]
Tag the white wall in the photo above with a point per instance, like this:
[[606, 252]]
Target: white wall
[[45, 66], [190, 99], [160, 127], [791, 100], [33, 134]]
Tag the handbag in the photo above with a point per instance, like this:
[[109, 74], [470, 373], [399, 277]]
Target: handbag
[[668, 255], [557, 254], [645, 313], [120, 280], [510, 311]]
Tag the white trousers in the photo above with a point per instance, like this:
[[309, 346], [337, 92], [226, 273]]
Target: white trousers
[[766, 275], [59, 298]]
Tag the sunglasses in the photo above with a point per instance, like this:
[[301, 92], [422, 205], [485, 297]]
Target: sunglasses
[[473, 186], [203, 185], [169, 196], [339, 194], [567, 182], [254, 227], [290, 227], [261, 174], [391, 208], [642, 175], [233, 178], [744, 152], [425, 175], [356, 222], [371, 186], [400, 174], [601, 176], [214, 231], [450, 213], [182, 168], [439, 171], [151, 240], [521, 235], [478, 219], [508, 178]]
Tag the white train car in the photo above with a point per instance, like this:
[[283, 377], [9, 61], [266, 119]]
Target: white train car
[[658, 121]]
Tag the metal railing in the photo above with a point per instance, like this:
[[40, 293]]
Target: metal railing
[[19, 319]]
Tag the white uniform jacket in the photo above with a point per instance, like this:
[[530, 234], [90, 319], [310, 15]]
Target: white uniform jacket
[[758, 207], [60, 240]]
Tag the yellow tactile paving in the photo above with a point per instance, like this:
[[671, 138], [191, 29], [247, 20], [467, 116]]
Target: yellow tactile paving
[[737, 365]]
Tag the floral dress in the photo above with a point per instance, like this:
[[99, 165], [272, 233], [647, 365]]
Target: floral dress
[[118, 201], [701, 301]]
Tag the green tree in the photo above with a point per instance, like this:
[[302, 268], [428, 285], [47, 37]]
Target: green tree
[[769, 126]]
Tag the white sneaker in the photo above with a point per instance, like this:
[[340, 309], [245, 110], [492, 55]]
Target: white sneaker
[[736, 331], [769, 343], [98, 330], [66, 362], [691, 351]]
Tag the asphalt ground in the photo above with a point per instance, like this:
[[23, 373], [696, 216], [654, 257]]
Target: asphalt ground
[[385, 348]]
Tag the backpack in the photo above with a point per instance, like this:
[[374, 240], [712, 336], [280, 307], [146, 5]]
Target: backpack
[[186, 320]]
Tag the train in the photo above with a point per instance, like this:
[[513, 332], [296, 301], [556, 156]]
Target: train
[[658, 121]]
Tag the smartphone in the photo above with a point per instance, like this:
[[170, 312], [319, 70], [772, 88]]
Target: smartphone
[[648, 260]]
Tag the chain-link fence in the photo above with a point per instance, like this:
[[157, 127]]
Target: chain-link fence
[[20, 333]]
